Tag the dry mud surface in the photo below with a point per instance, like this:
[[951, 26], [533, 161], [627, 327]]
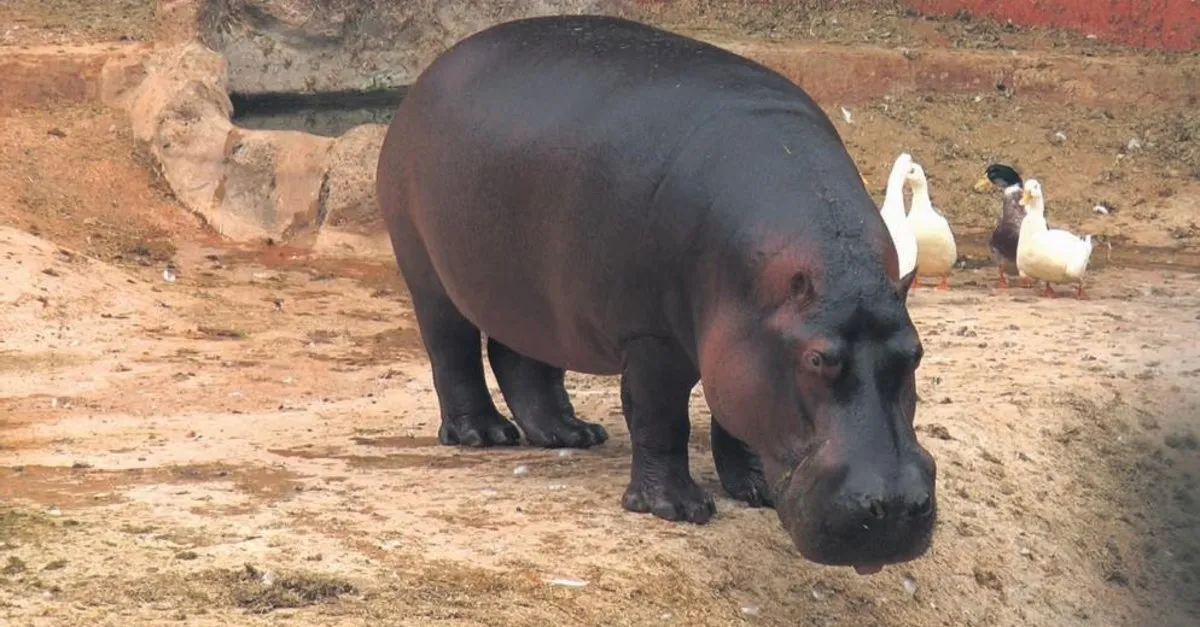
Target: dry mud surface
[[254, 441]]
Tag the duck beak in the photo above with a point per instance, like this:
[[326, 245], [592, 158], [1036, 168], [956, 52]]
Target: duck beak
[[1026, 198], [982, 184]]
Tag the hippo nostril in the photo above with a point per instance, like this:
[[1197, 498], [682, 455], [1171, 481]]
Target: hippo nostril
[[876, 509], [922, 507]]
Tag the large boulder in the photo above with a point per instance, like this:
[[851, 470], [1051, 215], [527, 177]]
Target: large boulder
[[247, 184]]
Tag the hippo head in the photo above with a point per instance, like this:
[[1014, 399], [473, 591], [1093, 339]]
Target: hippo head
[[813, 366]]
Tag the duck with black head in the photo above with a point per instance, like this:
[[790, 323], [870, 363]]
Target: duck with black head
[[1007, 233]]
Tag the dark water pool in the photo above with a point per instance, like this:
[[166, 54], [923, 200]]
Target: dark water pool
[[329, 114]]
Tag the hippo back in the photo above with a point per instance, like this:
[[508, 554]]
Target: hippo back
[[570, 177]]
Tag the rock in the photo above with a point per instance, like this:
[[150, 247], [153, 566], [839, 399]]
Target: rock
[[987, 579], [180, 119], [121, 75], [272, 180], [248, 184], [351, 224], [349, 188]]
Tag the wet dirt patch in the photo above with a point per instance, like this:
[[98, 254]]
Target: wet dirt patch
[[252, 589], [40, 362], [18, 526], [398, 344], [422, 591], [219, 333], [392, 344], [367, 315], [398, 441], [82, 486], [379, 276], [498, 461], [19, 411]]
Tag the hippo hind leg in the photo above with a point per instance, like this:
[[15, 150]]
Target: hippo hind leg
[[538, 399], [656, 384], [469, 417], [740, 470]]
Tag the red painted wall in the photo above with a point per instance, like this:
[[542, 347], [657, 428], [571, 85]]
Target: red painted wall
[[1156, 24], [1160, 24]]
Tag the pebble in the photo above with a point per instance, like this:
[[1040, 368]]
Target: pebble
[[521, 470], [567, 581], [820, 591]]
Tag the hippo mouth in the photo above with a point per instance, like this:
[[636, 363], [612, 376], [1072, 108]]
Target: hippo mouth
[[824, 537]]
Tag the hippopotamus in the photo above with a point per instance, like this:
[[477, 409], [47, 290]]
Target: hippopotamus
[[597, 195]]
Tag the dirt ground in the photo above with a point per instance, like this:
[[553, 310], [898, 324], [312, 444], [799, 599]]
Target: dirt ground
[[253, 442]]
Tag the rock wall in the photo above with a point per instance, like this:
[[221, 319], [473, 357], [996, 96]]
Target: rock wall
[[341, 45]]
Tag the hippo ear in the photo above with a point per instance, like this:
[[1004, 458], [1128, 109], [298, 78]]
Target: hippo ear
[[905, 283]]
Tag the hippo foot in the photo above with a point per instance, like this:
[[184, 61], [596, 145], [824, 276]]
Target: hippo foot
[[747, 486], [478, 430], [678, 499], [740, 470], [564, 432]]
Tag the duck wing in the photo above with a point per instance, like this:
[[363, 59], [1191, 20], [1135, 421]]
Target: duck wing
[[1008, 227]]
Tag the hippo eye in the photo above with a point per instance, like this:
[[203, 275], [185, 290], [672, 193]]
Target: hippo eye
[[822, 362]]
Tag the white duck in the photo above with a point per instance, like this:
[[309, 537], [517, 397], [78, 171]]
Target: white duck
[[936, 250], [1052, 256], [892, 212]]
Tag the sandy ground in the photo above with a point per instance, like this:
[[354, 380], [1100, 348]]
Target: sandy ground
[[253, 442]]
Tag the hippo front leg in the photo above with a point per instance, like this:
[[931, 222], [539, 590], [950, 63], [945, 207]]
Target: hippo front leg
[[739, 468], [656, 384]]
